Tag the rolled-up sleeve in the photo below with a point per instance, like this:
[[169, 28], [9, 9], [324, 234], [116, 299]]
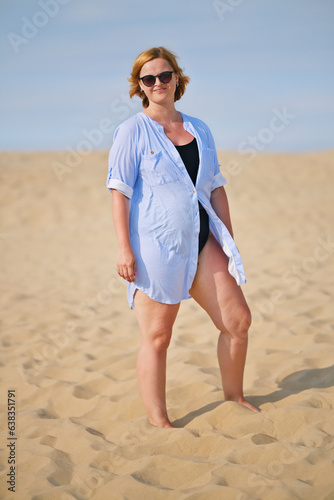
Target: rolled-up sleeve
[[123, 162], [218, 181], [218, 178]]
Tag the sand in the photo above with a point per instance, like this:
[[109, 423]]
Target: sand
[[69, 343]]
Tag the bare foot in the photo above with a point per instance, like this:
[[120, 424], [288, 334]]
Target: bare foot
[[249, 406], [162, 424], [245, 403]]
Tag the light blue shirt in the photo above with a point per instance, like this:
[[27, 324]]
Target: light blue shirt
[[145, 166]]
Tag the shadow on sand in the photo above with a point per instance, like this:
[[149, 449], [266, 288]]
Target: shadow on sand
[[315, 378]]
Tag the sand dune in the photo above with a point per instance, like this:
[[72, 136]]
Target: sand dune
[[69, 343]]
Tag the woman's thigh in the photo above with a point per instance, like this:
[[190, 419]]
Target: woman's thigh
[[155, 319], [216, 290]]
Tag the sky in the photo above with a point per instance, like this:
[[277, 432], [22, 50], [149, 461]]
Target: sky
[[262, 71]]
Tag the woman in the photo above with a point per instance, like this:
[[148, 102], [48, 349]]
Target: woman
[[173, 229]]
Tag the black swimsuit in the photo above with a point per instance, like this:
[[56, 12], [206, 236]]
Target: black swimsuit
[[190, 157]]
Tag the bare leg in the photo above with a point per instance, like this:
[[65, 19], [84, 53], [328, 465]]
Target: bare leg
[[231, 357], [218, 293], [155, 322]]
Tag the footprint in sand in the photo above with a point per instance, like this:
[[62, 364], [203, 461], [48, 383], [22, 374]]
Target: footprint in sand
[[263, 439]]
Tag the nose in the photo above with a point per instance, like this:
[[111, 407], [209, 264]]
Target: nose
[[157, 82]]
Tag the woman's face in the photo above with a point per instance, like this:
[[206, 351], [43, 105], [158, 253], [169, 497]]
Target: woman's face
[[160, 92]]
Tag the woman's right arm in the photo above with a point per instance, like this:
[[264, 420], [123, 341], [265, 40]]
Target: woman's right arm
[[126, 260]]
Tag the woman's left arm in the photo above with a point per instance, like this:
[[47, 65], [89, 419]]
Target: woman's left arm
[[220, 205]]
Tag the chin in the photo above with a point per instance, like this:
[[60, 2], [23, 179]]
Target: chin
[[161, 97]]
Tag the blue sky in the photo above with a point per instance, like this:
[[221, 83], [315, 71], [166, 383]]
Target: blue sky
[[65, 63]]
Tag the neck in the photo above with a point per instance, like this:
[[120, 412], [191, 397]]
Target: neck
[[162, 113]]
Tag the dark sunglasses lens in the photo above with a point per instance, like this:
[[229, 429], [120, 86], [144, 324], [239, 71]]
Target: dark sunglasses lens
[[166, 77], [149, 81]]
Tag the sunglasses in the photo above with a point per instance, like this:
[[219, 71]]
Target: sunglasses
[[164, 77]]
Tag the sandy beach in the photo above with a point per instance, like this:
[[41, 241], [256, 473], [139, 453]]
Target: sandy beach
[[69, 344]]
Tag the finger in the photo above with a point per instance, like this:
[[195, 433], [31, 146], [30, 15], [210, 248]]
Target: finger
[[131, 274], [125, 274], [122, 272]]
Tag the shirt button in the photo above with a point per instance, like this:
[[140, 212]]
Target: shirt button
[[194, 191]]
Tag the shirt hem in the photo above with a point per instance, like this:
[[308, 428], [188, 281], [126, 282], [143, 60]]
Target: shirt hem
[[132, 288]]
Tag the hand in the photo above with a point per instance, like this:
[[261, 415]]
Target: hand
[[126, 264]]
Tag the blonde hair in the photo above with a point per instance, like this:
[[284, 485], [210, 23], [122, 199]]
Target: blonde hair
[[149, 55]]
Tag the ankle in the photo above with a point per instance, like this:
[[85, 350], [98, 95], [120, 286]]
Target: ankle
[[234, 397], [163, 424], [159, 418]]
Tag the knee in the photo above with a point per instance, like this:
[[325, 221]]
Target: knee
[[244, 322], [159, 339], [238, 324]]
